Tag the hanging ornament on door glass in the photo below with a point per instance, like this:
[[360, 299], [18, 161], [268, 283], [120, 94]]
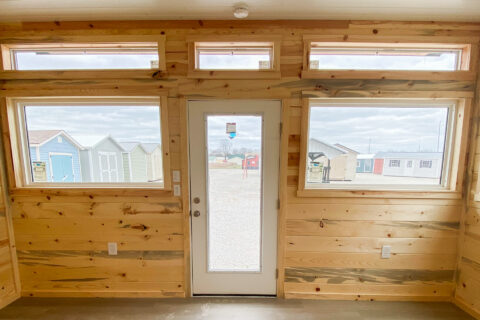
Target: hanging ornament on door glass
[[232, 129]]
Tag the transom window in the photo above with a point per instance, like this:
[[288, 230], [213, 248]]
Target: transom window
[[382, 142], [84, 56], [90, 142], [387, 56], [234, 55]]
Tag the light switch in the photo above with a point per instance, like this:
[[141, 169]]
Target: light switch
[[386, 250], [112, 248], [176, 190], [176, 175]]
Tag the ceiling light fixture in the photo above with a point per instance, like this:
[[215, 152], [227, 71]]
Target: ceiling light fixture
[[240, 11]]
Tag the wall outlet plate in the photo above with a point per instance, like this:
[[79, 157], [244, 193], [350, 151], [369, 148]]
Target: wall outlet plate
[[176, 190], [386, 252], [176, 176], [112, 249]]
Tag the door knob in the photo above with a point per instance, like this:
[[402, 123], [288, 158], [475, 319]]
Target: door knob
[[196, 200], [196, 213]]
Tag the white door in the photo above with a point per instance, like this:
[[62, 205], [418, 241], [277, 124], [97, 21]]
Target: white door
[[234, 163]]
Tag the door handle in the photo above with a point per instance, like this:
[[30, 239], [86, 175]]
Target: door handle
[[196, 213]]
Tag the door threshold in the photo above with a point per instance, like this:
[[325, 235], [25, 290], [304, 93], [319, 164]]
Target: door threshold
[[201, 295]]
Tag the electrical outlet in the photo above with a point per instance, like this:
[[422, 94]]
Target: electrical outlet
[[176, 190], [112, 249], [386, 250], [176, 176]]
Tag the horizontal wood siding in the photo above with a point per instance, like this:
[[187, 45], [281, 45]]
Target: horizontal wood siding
[[329, 247]]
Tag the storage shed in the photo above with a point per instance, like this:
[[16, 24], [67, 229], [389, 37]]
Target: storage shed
[[135, 159], [154, 161], [412, 164], [342, 162], [101, 159], [55, 156]]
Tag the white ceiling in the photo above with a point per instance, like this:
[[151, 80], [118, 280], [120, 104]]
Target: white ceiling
[[62, 10]]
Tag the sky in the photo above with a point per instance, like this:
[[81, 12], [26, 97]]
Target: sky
[[249, 132], [371, 130], [124, 123]]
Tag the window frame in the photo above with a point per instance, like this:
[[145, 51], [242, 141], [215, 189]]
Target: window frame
[[453, 164], [467, 64], [8, 59], [20, 148], [240, 40]]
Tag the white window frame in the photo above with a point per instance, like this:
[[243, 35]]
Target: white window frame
[[392, 161], [20, 148], [111, 42], [430, 164], [452, 153]]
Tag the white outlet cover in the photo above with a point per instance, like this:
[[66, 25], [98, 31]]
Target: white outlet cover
[[386, 251], [176, 176], [176, 190], [112, 249]]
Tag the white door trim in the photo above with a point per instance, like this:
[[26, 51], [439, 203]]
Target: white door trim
[[236, 282]]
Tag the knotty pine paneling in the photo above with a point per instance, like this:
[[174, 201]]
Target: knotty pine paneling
[[330, 246]]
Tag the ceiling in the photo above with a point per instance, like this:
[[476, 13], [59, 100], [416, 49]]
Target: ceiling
[[63, 10]]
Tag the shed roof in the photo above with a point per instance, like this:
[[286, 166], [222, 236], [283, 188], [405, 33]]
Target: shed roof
[[149, 147], [40, 137], [131, 145], [330, 151], [91, 141]]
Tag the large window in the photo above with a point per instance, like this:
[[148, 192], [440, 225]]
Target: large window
[[386, 56], [95, 141], [397, 143]]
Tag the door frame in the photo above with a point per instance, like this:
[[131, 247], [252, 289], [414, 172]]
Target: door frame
[[282, 188]]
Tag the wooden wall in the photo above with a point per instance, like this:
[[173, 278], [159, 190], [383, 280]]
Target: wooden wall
[[467, 293], [9, 280], [329, 246]]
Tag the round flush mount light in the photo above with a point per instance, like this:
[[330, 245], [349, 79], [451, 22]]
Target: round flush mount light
[[240, 11]]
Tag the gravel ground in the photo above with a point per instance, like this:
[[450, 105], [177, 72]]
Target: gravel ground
[[234, 219]]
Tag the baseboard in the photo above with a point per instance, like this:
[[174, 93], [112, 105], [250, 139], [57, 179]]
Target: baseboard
[[465, 307], [101, 294], [366, 297], [5, 301]]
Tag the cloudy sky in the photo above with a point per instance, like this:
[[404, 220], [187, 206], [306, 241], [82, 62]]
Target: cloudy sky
[[370, 130], [124, 123], [249, 132]]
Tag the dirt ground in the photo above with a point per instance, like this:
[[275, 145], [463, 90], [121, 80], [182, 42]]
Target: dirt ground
[[234, 219]]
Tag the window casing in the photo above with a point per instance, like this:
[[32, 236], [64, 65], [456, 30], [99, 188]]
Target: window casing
[[390, 60], [87, 53], [448, 165], [80, 159], [239, 57]]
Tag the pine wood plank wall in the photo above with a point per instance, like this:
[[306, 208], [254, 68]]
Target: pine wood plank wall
[[467, 293], [330, 246]]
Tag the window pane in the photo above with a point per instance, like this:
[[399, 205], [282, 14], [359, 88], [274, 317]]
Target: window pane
[[94, 143], [234, 193], [234, 58], [384, 59], [376, 145], [79, 59]]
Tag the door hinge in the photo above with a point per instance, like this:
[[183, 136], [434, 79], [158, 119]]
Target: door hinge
[[278, 204], [276, 273], [281, 128]]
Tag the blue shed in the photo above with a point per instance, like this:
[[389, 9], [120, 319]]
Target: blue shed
[[55, 156], [365, 163]]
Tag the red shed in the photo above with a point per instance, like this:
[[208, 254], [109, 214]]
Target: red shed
[[378, 166], [251, 162]]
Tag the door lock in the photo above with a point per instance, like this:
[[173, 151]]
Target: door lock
[[196, 213], [196, 200]]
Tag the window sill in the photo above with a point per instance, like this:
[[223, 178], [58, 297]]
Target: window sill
[[390, 193], [91, 192]]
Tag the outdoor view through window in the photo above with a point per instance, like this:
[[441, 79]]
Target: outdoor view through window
[[234, 192], [94, 143], [234, 58], [361, 145]]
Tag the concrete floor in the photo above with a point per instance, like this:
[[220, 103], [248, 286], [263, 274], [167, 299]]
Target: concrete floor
[[227, 309]]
